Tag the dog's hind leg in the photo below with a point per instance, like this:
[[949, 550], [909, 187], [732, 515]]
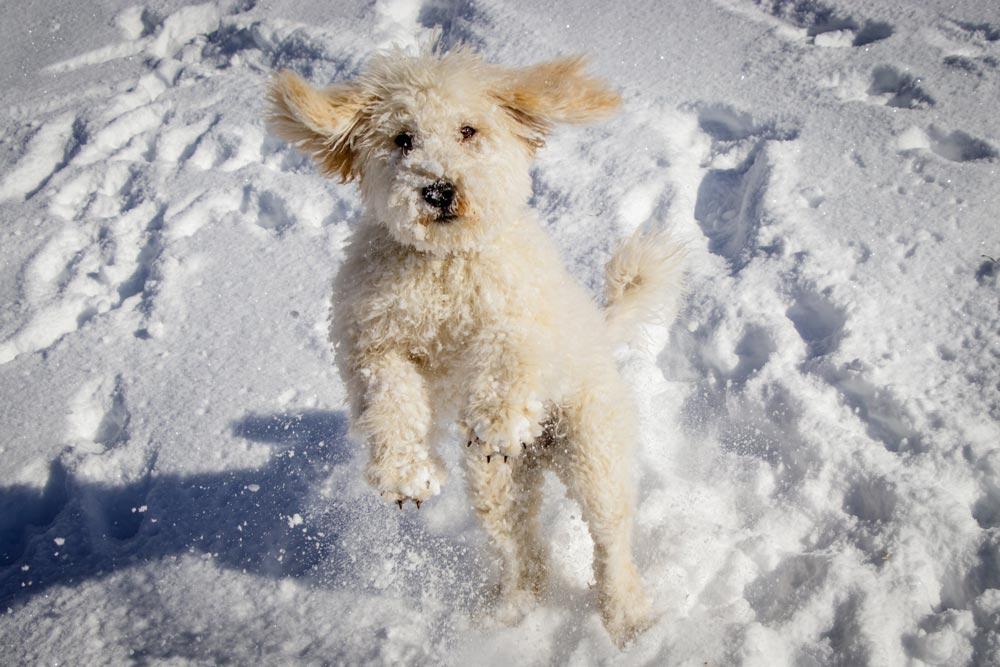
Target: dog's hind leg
[[595, 469], [507, 496]]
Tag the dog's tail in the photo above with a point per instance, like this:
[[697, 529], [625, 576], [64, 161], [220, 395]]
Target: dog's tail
[[643, 282]]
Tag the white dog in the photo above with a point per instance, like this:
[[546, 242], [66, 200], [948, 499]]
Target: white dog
[[453, 303]]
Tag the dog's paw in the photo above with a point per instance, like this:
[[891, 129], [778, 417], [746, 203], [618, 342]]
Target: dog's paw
[[512, 606], [504, 608], [510, 431], [400, 484], [626, 616], [624, 628]]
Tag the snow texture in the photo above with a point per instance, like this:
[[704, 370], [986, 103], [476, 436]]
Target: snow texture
[[819, 467]]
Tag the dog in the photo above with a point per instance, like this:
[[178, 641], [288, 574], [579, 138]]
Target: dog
[[452, 302]]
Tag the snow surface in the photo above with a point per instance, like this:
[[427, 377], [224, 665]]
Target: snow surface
[[819, 470]]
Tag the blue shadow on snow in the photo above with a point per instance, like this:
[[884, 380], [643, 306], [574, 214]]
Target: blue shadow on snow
[[73, 530]]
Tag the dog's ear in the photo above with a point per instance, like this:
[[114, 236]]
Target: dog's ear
[[321, 123], [557, 91]]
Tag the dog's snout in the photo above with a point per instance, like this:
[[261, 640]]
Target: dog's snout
[[439, 195]]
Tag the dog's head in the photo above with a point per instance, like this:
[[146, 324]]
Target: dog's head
[[440, 144]]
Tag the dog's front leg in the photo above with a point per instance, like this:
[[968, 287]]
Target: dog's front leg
[[505, 407], [394, 419]]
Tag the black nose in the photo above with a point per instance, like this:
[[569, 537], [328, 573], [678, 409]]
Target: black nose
[[439, 195]]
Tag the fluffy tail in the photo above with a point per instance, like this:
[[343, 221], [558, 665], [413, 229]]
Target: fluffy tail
[[643, 282]]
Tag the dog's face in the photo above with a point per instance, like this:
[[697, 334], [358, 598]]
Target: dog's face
[[441, 145]]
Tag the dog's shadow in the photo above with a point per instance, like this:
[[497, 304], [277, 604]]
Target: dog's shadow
[[303, 514]]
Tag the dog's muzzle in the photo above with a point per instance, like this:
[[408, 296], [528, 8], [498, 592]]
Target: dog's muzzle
[[440, 195]]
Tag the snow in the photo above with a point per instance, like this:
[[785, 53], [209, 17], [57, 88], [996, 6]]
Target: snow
[[819, 469]]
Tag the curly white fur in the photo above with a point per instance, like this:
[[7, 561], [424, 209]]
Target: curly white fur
[[465, 311]]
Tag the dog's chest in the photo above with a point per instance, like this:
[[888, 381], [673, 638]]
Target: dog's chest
[[426, 306]]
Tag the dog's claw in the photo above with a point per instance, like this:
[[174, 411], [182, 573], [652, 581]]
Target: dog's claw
[[494, 449], [417, 503], [400, 503]]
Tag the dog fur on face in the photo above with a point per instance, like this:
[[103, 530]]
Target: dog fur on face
[[452, 303], [352, 130]]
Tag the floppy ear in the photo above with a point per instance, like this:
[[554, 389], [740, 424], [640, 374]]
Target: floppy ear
[[321, 123], [558, 91]]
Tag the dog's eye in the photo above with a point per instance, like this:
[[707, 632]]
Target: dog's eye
[[405, 141], [468, 132]]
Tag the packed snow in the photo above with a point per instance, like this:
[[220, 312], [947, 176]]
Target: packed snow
[[819, 469]]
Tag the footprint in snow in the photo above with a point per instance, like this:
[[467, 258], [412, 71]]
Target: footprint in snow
[[897, 89], [955, 146], [98, 416], [971, 48], [821, 24], [730, 207], [25, 510], [818, 321], [978, 32], [270, 210], [97, 424], [822, 325], [870, 498], [885, 418], [981, 66]]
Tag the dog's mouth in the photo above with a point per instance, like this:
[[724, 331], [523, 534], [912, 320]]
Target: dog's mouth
[[442, 218]]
